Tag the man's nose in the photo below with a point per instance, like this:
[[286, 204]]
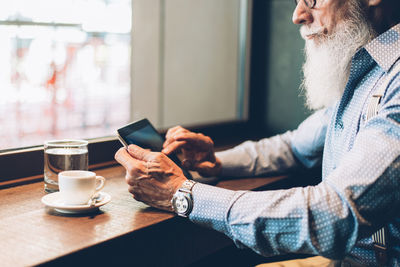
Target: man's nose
[[302, 14]]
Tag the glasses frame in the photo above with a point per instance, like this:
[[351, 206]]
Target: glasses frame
[[311, 6]]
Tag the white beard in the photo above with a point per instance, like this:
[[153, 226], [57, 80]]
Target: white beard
[[327, 65]]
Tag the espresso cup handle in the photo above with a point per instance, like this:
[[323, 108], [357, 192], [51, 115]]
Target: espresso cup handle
[[102, 182]]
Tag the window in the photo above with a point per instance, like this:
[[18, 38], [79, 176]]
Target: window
[[83, 68], [65, 69]]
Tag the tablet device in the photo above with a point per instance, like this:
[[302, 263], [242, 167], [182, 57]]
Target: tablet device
[[143, 134]]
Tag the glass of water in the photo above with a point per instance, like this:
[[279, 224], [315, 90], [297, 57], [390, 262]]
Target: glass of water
[[63, 155]]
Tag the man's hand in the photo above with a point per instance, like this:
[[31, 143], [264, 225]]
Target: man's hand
[[197, 150], [152, 177]]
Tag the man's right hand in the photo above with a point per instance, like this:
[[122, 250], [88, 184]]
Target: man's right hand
[[197, 150]]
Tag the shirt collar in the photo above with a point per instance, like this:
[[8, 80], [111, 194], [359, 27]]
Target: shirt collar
[[385, 49]]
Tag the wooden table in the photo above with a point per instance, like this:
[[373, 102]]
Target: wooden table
[[122, 232]]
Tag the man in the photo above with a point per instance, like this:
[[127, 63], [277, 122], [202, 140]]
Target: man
[[352, 50]]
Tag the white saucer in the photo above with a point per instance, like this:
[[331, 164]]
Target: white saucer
[[53, 200]]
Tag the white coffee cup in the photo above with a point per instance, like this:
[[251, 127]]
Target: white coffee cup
[[77, 187]]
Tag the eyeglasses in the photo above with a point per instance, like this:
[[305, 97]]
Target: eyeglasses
[[309, 3]]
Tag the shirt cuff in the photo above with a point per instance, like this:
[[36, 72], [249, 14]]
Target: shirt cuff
[[211, 206]]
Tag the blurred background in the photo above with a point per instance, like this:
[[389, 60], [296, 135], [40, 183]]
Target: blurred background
[[83, 68], [65, 69]]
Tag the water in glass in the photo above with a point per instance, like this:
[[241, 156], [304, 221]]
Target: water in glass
[[62, 157]]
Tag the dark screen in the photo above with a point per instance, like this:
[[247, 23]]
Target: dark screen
[[146, 137]]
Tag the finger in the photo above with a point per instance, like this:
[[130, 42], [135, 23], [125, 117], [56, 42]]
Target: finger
[[183, 135], [170, 136], [168, 141], [124, 158], [128, 179], [117, 154], [154, 168], [132, 177], [173, 130], [135, 194], [173, 147], [204, 166], [139, 153], [195, 139], [134, 168]]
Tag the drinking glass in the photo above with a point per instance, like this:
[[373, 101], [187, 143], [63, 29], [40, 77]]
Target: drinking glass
[[63, 155]]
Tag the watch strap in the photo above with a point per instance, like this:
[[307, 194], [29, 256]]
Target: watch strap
[[187, 186]]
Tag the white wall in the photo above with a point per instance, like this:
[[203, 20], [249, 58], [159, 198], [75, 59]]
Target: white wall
[[185, 61]]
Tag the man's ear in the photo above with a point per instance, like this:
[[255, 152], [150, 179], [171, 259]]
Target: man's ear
[[374, 2]]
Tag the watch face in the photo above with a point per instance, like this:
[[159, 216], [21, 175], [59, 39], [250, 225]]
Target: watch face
[[181, 204]]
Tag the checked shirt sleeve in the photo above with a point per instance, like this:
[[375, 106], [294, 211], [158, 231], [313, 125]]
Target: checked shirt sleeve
[[280, 153]]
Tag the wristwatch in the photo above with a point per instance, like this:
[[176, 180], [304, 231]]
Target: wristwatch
[[182, 201]]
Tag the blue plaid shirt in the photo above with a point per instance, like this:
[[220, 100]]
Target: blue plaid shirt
[[360, 188]]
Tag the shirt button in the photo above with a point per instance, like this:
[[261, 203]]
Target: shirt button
[[340, 125]]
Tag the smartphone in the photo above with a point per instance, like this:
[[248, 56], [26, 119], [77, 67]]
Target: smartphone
[[142, 133]]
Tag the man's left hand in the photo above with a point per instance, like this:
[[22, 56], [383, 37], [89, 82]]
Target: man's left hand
[[153, 178]]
